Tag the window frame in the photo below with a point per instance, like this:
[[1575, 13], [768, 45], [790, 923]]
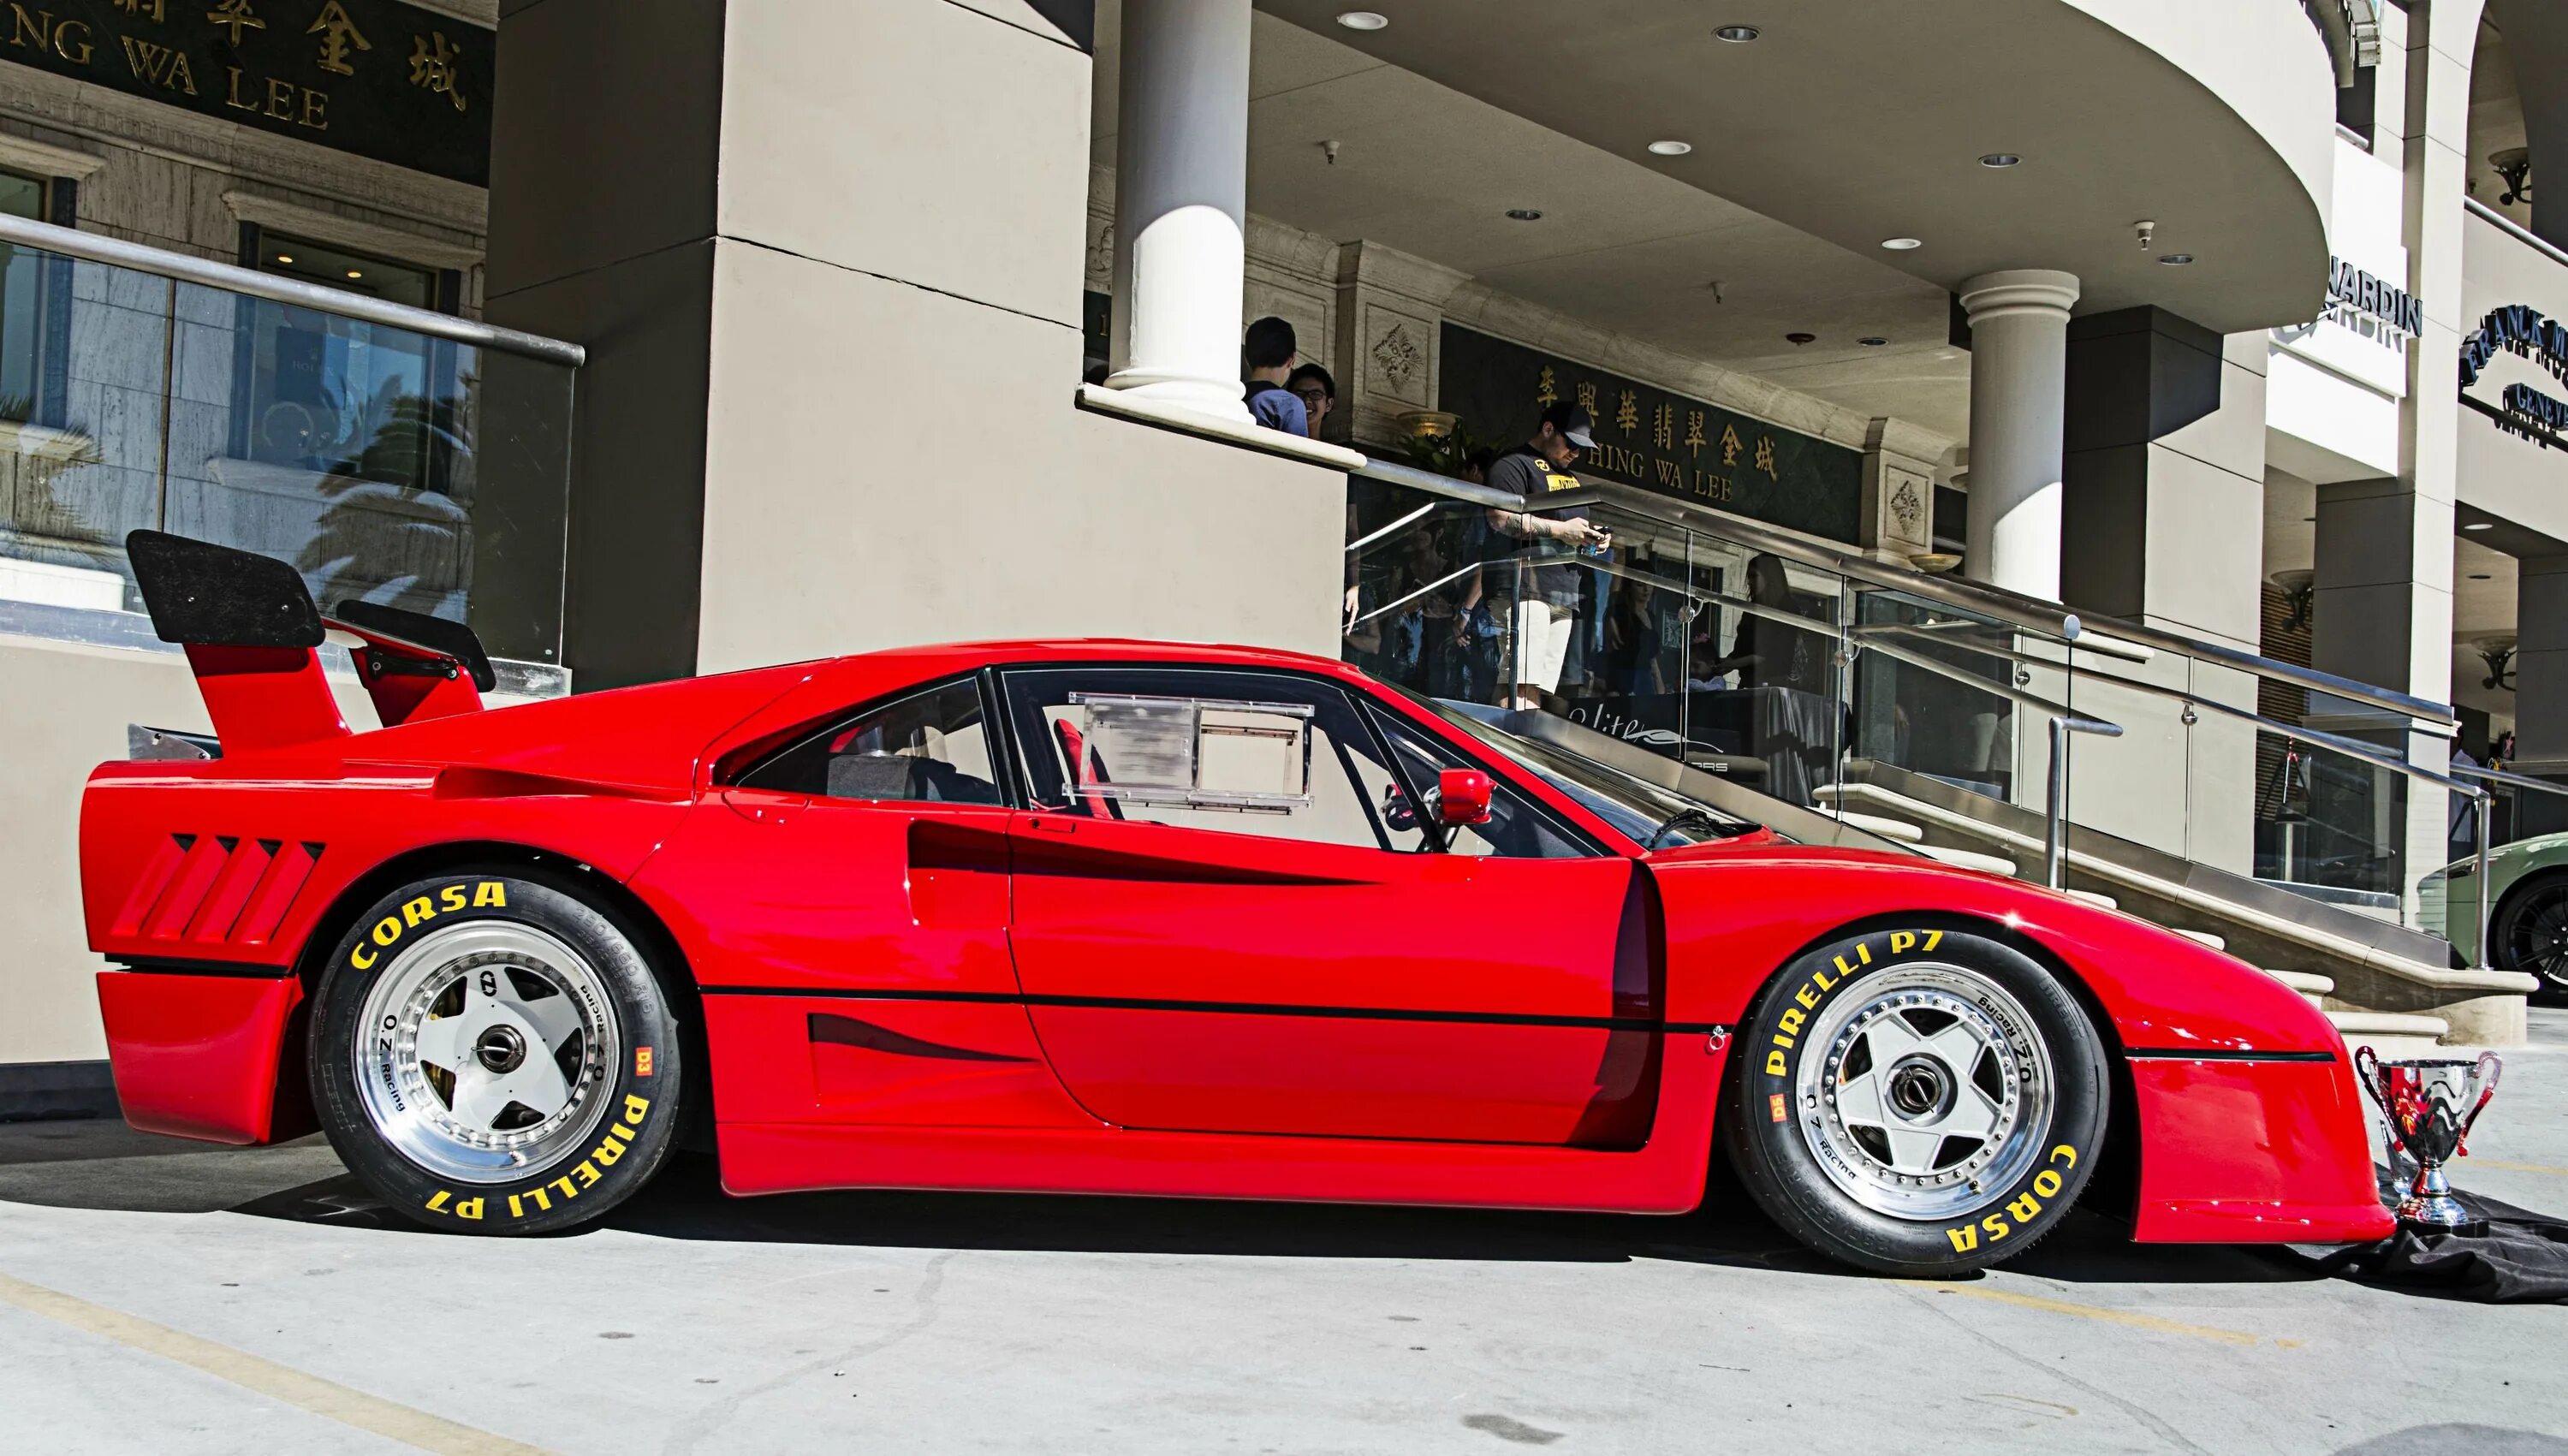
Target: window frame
[[1363, 705], [1002, 763]]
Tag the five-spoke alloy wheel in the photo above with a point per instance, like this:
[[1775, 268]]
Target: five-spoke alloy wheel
[[493, 1055], [1917, 1101]]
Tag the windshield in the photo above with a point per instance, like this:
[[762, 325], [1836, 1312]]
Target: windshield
[[1642, 812]]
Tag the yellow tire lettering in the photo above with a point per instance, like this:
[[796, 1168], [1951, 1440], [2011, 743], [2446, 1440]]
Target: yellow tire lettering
[[1792, 1020], [2063, 1151], [588, 1174], [1965, 1239], [2025, 1207], [1824, 982], [622, 1133], [607, 1153], [563, 1183], [2047, 1183], [1902, 941], [388, 930], [1932, 936], [1996, 1226], [469, 1208], [517, 1210], [1843, 969], [450, 898], [438, 1203], [360, 958], [634, 1107], [543, 1204], [1862, 951], [1773, 1063], [488, 893], [416, 911], [1807, 996]]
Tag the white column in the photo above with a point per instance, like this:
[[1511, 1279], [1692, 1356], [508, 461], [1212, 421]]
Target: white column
[[2018, 392], [1180, 200]]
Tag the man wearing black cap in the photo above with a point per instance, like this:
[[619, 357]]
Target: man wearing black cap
[[1530, 550]]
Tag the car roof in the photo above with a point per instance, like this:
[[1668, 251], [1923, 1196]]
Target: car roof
[[1035, 650]]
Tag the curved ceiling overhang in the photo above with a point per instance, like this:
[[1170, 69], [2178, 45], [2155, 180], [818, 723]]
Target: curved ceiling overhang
[[1859, 120]]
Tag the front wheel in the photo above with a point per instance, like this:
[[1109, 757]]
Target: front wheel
[[2530, 933], [1920, 1101], [494, 1056]]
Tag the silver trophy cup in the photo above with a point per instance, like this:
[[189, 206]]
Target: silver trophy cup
[[2429, 1105]]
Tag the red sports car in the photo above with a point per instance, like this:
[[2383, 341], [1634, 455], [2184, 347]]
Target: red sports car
[[1124, 917]]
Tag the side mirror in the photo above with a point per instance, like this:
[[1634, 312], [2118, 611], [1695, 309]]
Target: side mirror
[[1463, 796]]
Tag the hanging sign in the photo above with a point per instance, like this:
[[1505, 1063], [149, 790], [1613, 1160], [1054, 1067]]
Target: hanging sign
[[2520, 410]]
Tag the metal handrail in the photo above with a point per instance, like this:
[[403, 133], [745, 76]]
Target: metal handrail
[[2516, 780], [2518, 230], [2055, 834], [100, 248], [2110, 637]]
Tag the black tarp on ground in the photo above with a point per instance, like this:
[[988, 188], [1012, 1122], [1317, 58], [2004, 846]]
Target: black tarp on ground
[[2518, 1258]]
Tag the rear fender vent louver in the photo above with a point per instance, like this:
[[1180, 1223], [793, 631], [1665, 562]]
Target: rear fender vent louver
[[216, 889]]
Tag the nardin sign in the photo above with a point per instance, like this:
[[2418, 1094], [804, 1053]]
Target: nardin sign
[[2372, 307], [2521, 410]]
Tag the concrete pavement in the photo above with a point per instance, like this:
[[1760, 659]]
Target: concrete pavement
[[157, 1297]]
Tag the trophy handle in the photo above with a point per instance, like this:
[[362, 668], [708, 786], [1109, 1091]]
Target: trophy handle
[[2485, 1074], [2367, 1072]]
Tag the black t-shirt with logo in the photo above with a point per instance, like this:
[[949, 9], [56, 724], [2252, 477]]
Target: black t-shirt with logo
[[1521, 471]]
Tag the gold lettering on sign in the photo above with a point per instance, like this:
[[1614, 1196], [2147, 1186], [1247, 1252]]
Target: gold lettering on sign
[[1545, 392], [1627, 413], [337, 33], [162, 66], [1587, 397], [433, 67], [1662, 427], [1765, 455], [50, 36], [1730, 445], [283, 100], [235, 16], [1694, 440], [147, 9]]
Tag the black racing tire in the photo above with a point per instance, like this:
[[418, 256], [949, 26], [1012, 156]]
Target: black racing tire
[[2526, 933], [1908, 1164], [433, 1024]]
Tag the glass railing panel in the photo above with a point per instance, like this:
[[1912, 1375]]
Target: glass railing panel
[[384, 463], [1764, 692], [1919, 703], [1428, 591]]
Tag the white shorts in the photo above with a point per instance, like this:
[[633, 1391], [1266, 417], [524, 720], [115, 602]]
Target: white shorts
[[1543, 642]]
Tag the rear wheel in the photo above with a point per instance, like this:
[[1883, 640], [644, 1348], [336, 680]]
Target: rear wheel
[[1917, 1101], [494, 1056], [2530, 933]]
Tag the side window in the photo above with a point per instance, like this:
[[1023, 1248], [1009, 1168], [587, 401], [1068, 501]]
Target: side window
[[1517, 828], [1234, 752], [929, 746]]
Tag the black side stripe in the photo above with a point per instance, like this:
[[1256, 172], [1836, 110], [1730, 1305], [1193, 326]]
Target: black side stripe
[[204, 968], [2181, 1053], [849, 1031], [1244, 1009]]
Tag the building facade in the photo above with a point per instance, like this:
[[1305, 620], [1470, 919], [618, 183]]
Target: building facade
[[662, 337]]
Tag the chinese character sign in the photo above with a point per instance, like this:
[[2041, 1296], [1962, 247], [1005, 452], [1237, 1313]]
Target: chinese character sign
[[1654, 440], [383, 78]]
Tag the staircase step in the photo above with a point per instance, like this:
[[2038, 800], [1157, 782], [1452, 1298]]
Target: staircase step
[[2203, 936], [1899, 829], [2093, 897], [2351, 1025], [2306, 981], [1970, 859]]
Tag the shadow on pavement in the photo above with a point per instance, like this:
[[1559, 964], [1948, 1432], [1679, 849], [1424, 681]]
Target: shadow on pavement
[[105, 1165]]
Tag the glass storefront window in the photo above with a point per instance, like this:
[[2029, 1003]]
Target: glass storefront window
[[21, 316], [350, 273]]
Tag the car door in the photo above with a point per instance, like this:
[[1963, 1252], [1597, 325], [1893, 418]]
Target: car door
[[1209, 961]]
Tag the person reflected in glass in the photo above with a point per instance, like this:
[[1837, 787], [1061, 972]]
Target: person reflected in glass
[[1768, 653], [1532, 550]]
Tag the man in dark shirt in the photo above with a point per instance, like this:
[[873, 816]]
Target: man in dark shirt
[[1530, 557], [1267, 358]]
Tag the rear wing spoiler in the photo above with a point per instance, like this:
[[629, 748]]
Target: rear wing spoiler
[[251, 631]]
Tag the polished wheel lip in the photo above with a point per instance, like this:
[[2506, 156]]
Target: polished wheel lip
[[1985, 1023], [398, 1041]]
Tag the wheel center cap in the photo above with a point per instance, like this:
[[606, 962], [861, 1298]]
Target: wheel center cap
[[1919, 1088], [501, 1047]]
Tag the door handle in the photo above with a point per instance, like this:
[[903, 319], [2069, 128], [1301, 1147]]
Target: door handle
[[1050, 824]]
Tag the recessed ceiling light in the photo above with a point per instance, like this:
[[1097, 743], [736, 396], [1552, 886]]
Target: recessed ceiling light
[[2483, 576], [1364, 20], [1902, 244], [2174, 261], [1526, 214], [1670, 148], [356, 272], [1799, 338], [1738, 35], [1872, 340], [2000, 159], [2478, 525], [285, 257]]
